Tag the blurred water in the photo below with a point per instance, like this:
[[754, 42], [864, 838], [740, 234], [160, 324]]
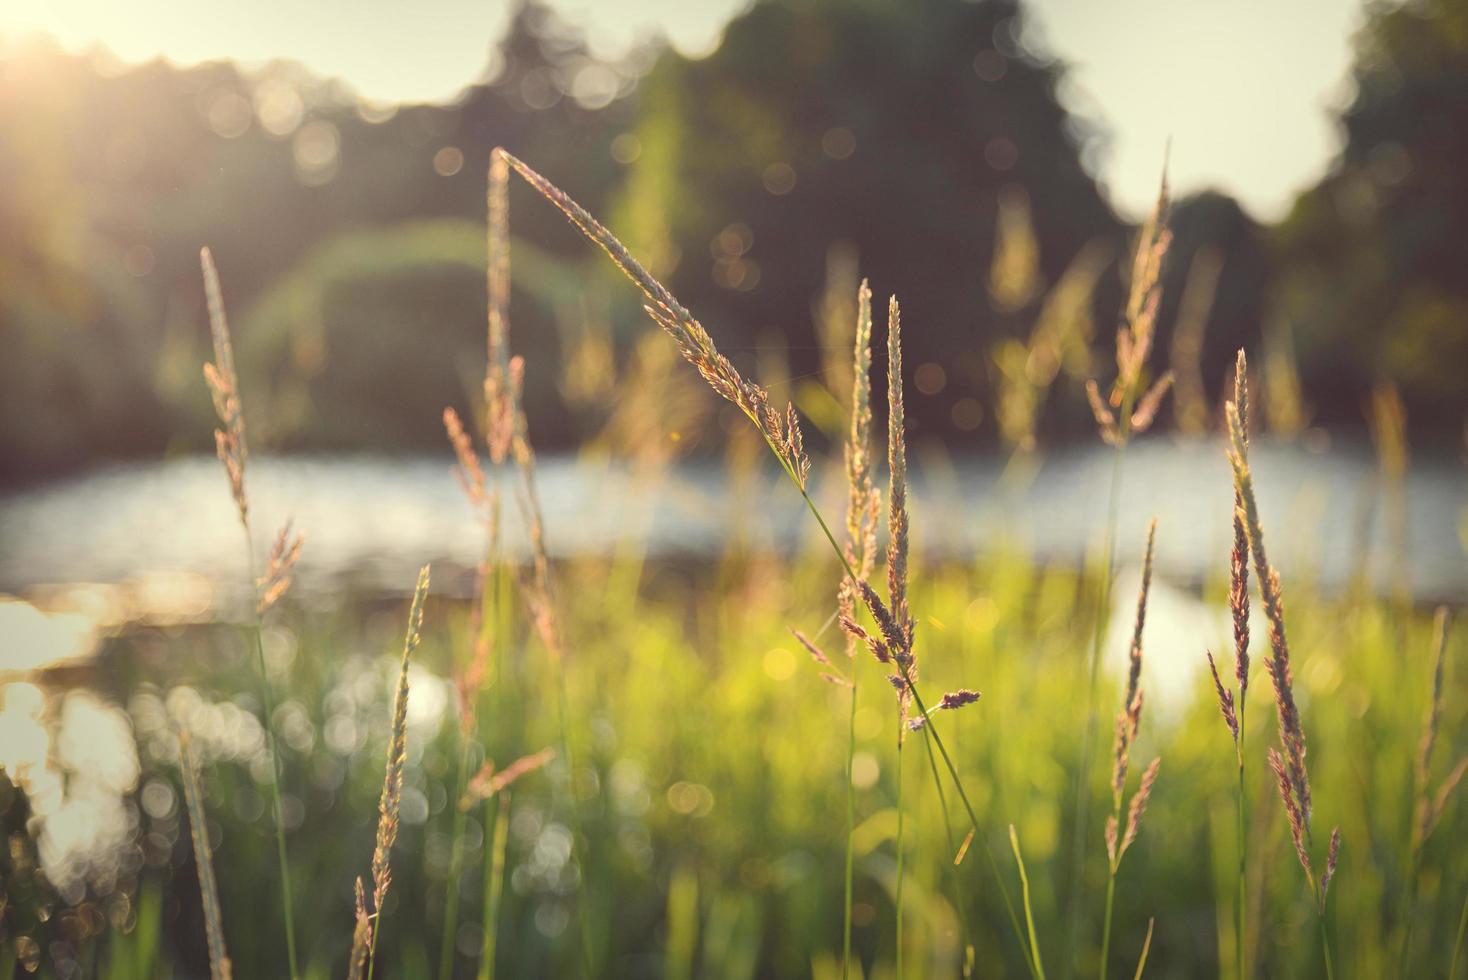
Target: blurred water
[[166, 533]]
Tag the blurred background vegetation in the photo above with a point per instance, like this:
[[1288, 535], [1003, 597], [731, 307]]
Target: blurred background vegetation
[[817, 133]]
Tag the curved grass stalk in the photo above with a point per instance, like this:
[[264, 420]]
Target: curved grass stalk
[[783, 439], [233, 452], [1024, 880], [1146, 948]]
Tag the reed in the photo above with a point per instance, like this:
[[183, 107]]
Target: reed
[[468, 678], [1232, 701], [1127, 722], [1288, 762], [509, 427], [390, 801], [232, 449], [1129, 409], [862, 507], [219, 967], [781, 432]]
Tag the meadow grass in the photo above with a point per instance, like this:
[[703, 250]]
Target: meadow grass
[[710, 770]]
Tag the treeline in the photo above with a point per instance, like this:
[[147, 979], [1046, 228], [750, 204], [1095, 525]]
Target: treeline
[[924, 147]]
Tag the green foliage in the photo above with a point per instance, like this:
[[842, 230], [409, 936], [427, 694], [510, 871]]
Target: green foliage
[[712, 754]]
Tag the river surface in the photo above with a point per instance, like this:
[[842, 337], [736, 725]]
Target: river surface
[[160, 542], [166, 532]]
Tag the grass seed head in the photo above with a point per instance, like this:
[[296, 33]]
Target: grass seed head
[[224, 388], [397, 755], [279, 570]]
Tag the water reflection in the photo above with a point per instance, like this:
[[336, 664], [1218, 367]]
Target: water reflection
[[166, 542], [77, 764]]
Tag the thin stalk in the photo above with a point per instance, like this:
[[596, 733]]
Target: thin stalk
[[957, 882], [456, 861], [850, 832], [1325, 944], [268, 703], [494, 877], [1037, 967], [1106, 926], [930, 730], [577, 854], [900, 867], [1458, 943], [1241, 937], [1146, 948], [1088, 741]]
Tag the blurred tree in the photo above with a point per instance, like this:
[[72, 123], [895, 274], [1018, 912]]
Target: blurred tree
[[892, 127], [1373, 258]]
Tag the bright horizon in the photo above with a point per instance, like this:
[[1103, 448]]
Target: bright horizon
[[1244, 89]]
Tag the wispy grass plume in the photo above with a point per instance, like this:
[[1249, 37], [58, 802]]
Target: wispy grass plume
[[1287, 763], [1128, 410], [781, 431], [233, 451], [1127, 722], [1232, 701], [1429, 804], [392, 780]]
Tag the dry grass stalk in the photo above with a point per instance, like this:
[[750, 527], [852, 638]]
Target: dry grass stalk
[[503, 374], [1229, 702], [1288, 764], [469, 473], [219, 966], [488, 781], [780, 430], [397, 756], [1190, 401], [484, 500], [1127, 722], [1130, 715], [899, 625], [232, 448], [224, 388], [1430, 805], [864, 501], [276, 582], [1130, 409]]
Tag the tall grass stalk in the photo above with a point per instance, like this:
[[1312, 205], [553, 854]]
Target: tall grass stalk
[[1129, 410], [862, 505], [1430, 804], [1232, 701], [1288, 764], [233, 451], [390, 802], [782, 436], [503, 389], [494, 878], [1127, 722]]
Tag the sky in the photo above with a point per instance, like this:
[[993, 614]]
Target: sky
[[1243, 89]]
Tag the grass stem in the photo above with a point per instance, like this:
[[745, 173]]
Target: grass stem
[[850, 833]]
